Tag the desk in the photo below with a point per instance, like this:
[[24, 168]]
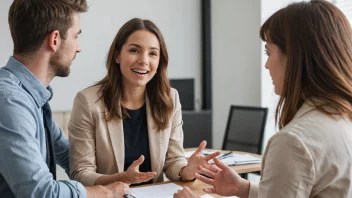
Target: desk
[[198, 186]]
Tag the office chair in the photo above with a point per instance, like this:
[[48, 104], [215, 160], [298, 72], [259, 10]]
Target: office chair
[[245, 129]]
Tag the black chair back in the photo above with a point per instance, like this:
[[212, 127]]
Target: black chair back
[[245, 129]]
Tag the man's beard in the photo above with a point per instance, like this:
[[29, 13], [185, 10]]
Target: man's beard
[[59, 67]]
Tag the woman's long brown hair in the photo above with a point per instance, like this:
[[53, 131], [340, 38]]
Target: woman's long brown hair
[[316, 37], [158, 88]]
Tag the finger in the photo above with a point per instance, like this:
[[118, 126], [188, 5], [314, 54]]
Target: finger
[[145, 174], [204, 179], [201, 147], [177, 194], [219, 164], [137, 162], [207, 172], [145, 177], [210, 190], [212, 156], [212, 168]]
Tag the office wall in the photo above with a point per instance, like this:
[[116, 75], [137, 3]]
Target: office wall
[[239, 74], [6, 45], [268, 97], [179, 21], [236, 58]]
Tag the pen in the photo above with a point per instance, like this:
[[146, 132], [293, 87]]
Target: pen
[[226, 155]]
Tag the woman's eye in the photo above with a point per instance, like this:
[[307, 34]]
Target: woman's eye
[[133, 50]]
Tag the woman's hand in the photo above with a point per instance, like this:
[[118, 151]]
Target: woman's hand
[[133, 176], [225, 181], [196, 160]]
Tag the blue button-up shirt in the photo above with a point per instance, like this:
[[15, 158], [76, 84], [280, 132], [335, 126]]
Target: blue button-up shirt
[[24, 168]]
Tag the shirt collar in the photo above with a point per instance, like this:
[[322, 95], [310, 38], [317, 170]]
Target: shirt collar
[[36, 89], [306, 107]]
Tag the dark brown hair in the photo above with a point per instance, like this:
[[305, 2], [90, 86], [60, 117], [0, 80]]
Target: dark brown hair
[[158, 88], [32, 20], [316, 37]]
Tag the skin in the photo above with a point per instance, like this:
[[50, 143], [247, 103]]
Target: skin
[[276, 64]]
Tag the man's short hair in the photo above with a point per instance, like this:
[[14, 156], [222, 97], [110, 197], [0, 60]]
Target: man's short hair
[[31, 21]]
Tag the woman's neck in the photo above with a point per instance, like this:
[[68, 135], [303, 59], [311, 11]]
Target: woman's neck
[[133, 98]]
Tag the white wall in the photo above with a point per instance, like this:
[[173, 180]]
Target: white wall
[[179, 21], [239, 74], [236, 61], [268, 97], [6, 45]]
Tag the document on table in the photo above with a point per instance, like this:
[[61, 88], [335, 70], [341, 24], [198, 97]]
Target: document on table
[[233, 159], [206, 196], [209, 196], [156, 191], [239, 159]]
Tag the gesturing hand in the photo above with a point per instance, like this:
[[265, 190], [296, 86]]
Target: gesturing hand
[[196, 160], [133, 176], [224, 179]]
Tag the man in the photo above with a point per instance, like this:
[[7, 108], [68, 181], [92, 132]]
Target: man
[[45, 36]]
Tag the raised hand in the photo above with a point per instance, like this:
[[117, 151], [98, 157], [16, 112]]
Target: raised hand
[[185, 193], [196, 160], [133, 176], [225, 181]]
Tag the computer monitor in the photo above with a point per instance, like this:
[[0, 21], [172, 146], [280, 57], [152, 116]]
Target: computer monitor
[[185, 88]]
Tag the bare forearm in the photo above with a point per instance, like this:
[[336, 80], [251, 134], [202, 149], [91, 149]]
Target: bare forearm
[[108, 179]]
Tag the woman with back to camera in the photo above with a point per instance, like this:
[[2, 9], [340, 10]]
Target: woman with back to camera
[[309, 48], [128, 127]]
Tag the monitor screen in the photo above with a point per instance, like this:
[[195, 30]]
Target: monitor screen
[[185, 88]]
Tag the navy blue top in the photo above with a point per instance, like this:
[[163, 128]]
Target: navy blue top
[[136, 139]]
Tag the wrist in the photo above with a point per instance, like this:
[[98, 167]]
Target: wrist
[[186, 174], [122, 177], [243, 189]]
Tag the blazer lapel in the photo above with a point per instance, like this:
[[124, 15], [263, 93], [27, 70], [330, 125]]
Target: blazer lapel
[[115, 128], [154, 141]]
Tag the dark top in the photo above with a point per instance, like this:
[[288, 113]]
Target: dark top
[[136, 139]]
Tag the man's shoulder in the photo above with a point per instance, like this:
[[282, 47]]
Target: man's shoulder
[[10, 86]]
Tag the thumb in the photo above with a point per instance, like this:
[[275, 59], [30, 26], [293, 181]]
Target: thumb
[[201, 146], [138, 162]]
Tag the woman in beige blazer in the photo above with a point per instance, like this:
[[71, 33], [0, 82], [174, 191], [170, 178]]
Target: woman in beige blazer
[[131, 120], [309, 47]]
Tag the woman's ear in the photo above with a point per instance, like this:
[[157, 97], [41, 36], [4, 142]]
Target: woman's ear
[[117, 58]]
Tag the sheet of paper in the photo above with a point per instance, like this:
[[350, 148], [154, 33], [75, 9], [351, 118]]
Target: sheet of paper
[[157, 191], [206, 196], [238, 159], [209, 196]]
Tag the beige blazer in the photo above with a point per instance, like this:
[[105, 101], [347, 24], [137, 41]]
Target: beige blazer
[[97, 146], [310, 157]]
